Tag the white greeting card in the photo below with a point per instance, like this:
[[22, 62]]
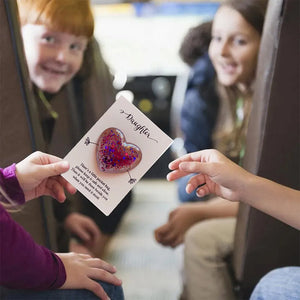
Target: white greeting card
[[114, 154]]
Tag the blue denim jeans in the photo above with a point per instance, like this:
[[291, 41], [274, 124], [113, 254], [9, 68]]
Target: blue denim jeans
[[183, 195], [114, 292], [282, 283]]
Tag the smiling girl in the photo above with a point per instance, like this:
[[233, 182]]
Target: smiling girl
[[207, 227], [236, 34]]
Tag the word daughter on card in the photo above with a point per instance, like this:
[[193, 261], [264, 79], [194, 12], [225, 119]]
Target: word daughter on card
[[114, 155]]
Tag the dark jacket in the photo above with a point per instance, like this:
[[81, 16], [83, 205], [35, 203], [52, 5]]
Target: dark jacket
[[200, 107]]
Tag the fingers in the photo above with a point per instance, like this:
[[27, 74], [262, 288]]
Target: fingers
[[82, 226], [82, 270], [176, 174], [55, 190], [54, 169], [44, 158], [189, 163], [175, 163], [84, 255], [68, 186], [202, 191], [88, 231], [97, 263], [165, 235], [177, 241], [191, 167], [49, 165], [103, 275], [101, 264], [83, 234], [199, 156], [160, 232], [55, 187], [186, 168], [208, 155], [97, 289], [93, 230], [195, 182], [172, 240]]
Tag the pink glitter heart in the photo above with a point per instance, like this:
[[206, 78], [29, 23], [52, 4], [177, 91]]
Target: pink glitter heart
[[114, 154]]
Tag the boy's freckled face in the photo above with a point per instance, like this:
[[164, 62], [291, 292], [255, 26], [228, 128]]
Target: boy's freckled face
[[53, 58]]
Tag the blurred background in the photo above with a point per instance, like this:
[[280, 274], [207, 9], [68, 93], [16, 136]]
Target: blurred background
[[140, 43]]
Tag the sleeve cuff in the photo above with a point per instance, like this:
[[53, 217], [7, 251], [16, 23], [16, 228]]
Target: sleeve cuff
[[11, 185], [61, 273]]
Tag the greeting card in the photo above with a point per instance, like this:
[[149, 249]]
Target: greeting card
[[114, 154]]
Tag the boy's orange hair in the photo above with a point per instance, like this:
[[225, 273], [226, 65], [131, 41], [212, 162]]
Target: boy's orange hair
[[71, 16]]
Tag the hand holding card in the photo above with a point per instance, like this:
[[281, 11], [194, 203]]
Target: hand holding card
[[114, 154]]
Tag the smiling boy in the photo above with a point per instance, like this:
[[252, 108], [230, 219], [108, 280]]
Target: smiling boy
[[73, 88]]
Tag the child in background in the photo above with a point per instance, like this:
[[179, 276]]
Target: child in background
[[234, 56], [58, 39], [207, 228]]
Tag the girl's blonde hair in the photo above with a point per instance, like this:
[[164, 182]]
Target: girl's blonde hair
[[231, 139], [71, 16], [7, 202], [230, 132]]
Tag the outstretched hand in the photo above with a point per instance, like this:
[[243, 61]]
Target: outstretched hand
[[39, 174], [216, 174]]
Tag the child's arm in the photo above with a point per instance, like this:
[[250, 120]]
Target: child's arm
[[27, 265], [24, 264], [183, 217], [274, 199], [218, 175]]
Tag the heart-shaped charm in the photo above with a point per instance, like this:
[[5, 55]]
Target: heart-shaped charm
[[114, 154]]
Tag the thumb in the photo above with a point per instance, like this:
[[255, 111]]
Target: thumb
[[54, 169]]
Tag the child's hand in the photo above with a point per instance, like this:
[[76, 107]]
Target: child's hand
[[180, 220], [83, 227], [38, 174], [81, 269], [216, 174]]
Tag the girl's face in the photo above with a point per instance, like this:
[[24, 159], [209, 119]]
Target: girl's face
[[53, 58], [234, 48]]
